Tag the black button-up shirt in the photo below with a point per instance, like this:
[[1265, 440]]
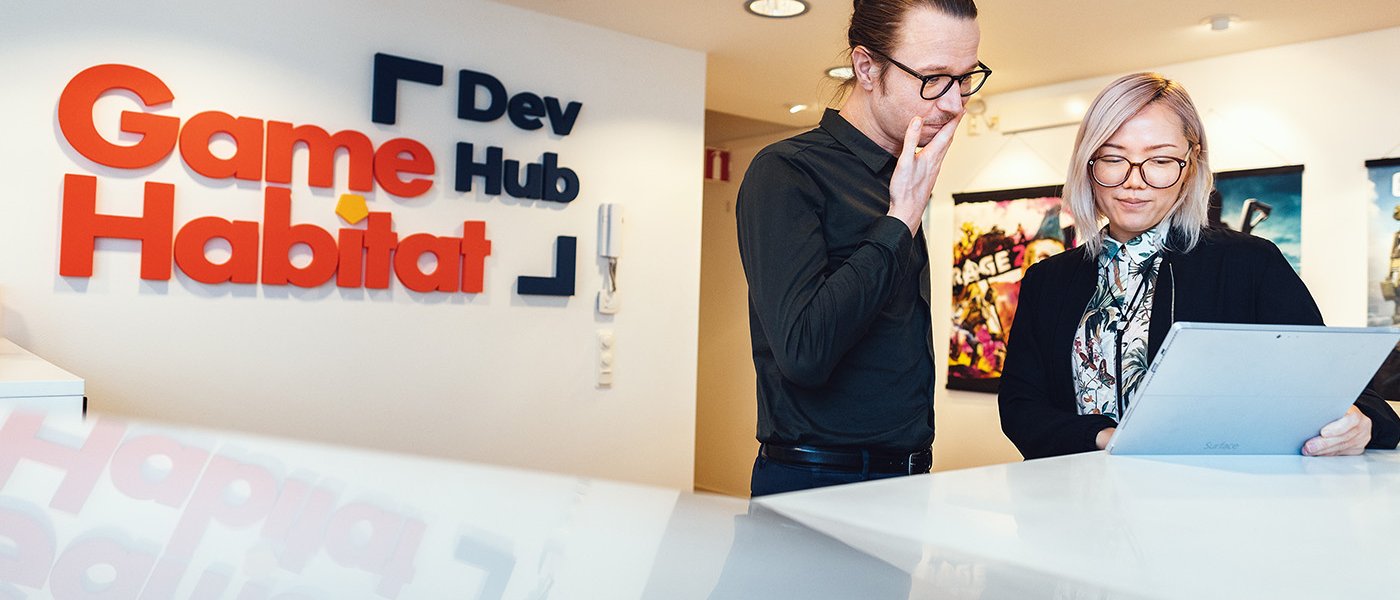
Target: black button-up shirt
[[838, 296]]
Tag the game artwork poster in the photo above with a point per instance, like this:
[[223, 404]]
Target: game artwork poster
[[1264, 202], [999, 235], [1383, 247]]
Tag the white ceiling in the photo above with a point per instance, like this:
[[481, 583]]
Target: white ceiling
[[757, 67]]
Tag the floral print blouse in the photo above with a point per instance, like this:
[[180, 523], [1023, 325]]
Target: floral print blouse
[[1127, 277]]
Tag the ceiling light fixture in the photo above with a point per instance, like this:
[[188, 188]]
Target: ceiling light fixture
[[842, 73], [978, 119], [796, 108], [776, 9], [1220, 22], [1076, 107]]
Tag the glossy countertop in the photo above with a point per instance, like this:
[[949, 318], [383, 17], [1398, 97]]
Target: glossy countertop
[[117, 509], [1127, 527], [120, 509]]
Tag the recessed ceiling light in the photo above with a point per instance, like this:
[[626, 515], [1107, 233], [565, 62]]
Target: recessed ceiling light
[[1220, 22], [1076, 107], [796, 108], [840, 72], [776, 9]]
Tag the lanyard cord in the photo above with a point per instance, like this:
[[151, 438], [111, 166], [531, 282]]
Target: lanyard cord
[[1134, 305]]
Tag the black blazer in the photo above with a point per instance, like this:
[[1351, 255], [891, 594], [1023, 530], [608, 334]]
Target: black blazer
[[1228, 277]]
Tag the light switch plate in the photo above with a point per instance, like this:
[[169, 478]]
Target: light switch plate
[[607, 302]]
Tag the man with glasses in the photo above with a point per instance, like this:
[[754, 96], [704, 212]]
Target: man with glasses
[[829, 233]]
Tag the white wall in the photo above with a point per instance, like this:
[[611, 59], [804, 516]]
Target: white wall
[[1329, 105], [494, 377]]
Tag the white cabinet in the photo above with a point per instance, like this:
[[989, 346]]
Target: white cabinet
[[31, 383]]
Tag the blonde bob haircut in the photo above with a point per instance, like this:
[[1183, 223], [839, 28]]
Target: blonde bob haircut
[[1115, 105]]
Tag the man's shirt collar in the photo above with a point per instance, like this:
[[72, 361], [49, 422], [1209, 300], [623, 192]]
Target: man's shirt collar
[[870, 153]]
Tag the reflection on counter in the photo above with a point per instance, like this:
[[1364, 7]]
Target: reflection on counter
[[114, 509], [129, 510]]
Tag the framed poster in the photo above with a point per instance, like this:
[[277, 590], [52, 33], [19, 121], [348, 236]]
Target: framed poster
[[1383, 246], [999, 235], [1263, 202]]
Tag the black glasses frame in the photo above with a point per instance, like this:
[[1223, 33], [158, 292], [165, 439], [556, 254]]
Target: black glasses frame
[[1138, 165], [981, 69]]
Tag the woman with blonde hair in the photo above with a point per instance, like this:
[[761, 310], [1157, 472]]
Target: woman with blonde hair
[[1090, 320]]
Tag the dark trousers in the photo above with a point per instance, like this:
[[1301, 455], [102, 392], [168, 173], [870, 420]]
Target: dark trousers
[[773, 477]]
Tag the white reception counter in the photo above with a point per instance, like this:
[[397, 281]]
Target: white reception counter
[[114, 509], [1151, 527]]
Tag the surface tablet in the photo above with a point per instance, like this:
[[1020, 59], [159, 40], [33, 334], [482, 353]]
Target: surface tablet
[[1217, 388]]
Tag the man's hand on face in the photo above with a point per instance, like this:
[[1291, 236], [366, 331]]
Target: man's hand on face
[[917, 170]]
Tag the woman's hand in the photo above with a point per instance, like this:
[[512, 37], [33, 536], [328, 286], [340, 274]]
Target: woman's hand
[[917, 170], [1346, 436], [1101, 440]]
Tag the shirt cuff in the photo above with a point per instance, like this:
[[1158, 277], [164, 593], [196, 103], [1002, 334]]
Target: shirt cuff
[[894, 235]]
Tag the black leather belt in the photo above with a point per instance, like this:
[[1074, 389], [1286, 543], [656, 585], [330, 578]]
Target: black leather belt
[[849, 460]]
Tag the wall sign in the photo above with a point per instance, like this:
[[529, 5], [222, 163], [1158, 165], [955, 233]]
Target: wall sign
[[716, 164], [365, 252]]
